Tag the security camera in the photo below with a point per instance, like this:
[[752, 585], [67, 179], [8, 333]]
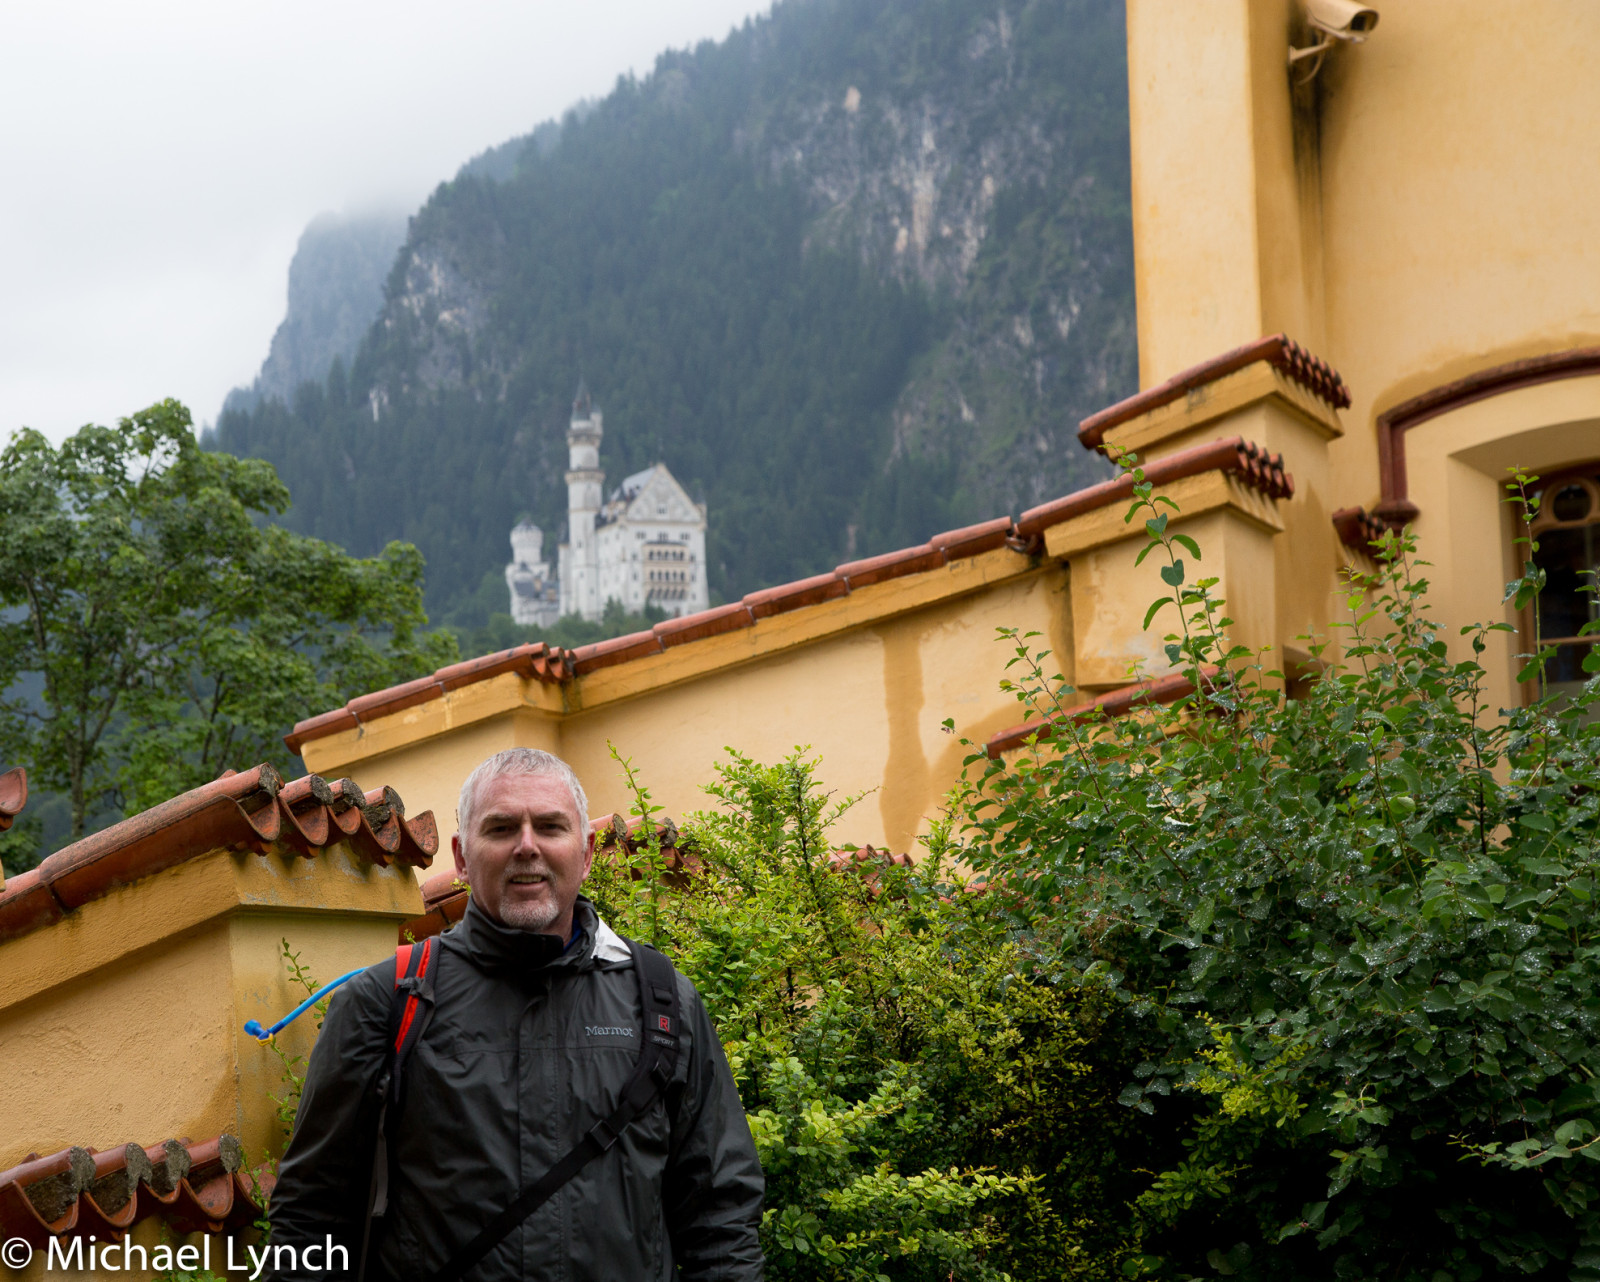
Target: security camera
[[1342, 19], [1334, 20]]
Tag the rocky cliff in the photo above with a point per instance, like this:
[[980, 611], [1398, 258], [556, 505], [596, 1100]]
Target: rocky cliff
[[335, 292]]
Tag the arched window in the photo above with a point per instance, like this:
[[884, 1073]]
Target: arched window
[[1567, 531]]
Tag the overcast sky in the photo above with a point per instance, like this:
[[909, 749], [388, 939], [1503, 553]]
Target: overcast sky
[[159, 159]]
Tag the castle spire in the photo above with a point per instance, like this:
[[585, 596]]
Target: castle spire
[[580, 574]]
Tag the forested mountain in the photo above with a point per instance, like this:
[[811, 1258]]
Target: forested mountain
[[853, 273]]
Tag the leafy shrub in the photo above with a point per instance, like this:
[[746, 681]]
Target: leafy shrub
[[1359, 927], [926, 1101]]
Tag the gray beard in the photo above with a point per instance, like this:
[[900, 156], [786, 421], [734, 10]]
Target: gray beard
[[537, 918], [534, 917]]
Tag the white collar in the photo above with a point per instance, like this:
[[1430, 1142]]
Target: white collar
[[608, 945]]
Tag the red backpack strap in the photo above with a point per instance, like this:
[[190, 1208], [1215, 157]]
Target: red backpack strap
[[413, 985], [402, 959]]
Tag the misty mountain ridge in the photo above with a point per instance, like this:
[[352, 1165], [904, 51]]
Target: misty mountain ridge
[[336, 281], [854, 274]]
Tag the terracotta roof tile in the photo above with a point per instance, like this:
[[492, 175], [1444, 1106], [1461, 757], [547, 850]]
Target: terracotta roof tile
[[537, 661], [973, 539], [623, 839], [525, 660], [237, 810], [306, 804], [1252, 464], [324, 723], [868, 863], [395, 698], [707, 623], [1114, 703], [441, 886], [13, 795], [254, 810], [384, 822], [39, 1197], [604, 654], [614, 830], [891, 565], [27, 904], [1358, 529], [792, 596], [1288, 357], [445, 895], [110, 1203], [194, 1187]]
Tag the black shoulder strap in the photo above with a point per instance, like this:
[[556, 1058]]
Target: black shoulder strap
[[410, 1010], [652, 1074]]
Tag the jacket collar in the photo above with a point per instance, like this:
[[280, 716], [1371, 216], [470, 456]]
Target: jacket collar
[[504, 949]]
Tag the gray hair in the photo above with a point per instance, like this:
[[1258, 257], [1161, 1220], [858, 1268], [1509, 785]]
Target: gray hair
[[518, 761]]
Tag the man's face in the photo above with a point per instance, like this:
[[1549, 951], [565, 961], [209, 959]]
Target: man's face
[[527, 854]]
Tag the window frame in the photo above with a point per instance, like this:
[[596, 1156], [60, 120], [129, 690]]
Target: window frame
[[1586, 475]]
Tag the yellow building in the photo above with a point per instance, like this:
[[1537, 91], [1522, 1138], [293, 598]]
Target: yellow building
[[1415, 210], [1413, 207]]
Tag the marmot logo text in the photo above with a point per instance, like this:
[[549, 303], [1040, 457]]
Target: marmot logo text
[[593, 1030]]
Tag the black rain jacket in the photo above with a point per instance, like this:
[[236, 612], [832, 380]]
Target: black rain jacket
[[528, 1048]]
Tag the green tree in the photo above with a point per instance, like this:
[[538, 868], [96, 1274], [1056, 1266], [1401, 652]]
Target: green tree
[[1360, 927], [157, 630]]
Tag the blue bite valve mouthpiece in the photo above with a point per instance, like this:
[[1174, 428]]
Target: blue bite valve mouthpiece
[[253, 1026]]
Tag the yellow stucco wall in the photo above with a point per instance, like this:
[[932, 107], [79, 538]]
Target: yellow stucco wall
[[869, 702], [865, 682], [1443, 165], [1424, 209], [124, 1021], [1459, 197]]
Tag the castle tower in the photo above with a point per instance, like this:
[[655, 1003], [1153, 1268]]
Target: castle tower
[[533, 592], [579, 570]]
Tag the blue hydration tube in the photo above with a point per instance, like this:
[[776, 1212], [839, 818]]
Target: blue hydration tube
[[253, 1027]]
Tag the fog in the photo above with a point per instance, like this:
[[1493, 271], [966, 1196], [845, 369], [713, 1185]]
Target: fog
[[158, 162]]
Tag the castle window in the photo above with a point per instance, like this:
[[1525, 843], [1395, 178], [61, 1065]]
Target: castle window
[[1567, 530]]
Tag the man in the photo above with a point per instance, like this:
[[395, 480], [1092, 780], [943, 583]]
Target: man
[[536, 1027]]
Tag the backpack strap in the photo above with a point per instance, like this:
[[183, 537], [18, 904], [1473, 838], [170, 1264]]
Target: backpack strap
[[410, 1011], [652, 1074]]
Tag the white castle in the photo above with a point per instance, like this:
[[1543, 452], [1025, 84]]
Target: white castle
[[644, 546]]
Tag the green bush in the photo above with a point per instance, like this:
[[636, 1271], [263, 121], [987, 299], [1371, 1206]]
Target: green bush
[[926, 1101], [1358, 927]]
